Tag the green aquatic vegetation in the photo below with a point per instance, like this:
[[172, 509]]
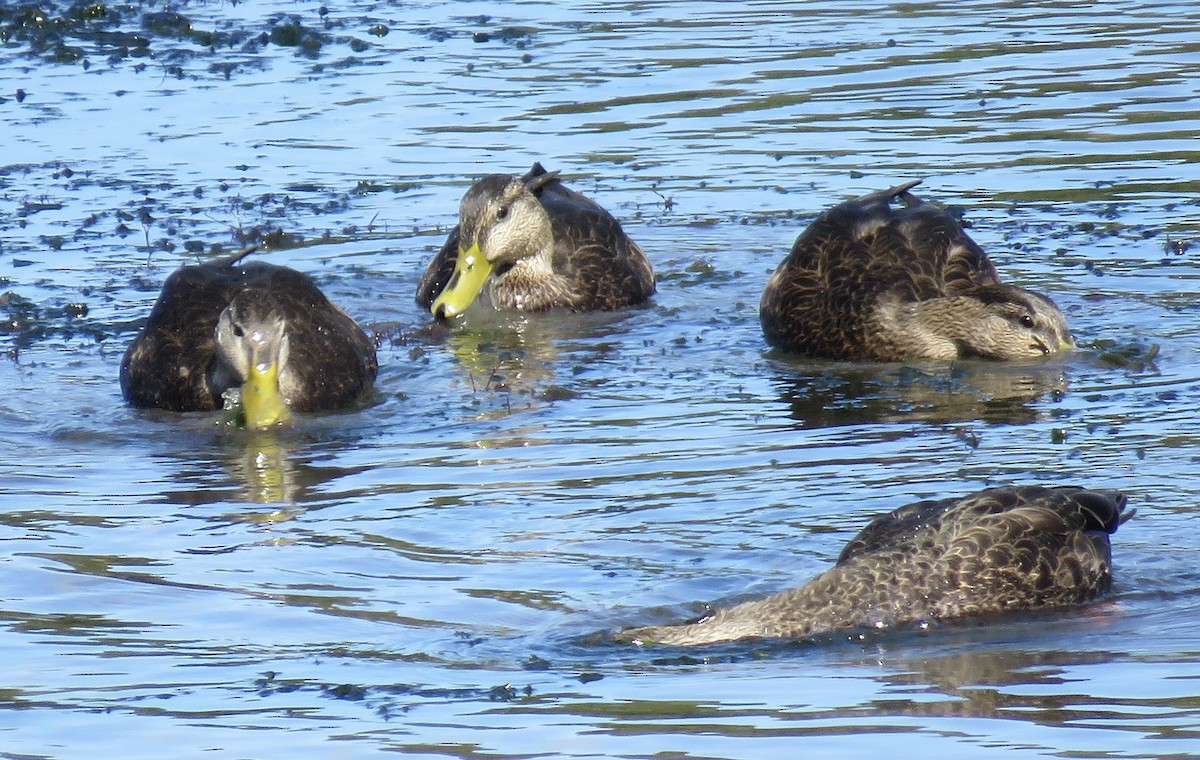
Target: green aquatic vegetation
[[80, 32], [23, 321], [68, 34], [173, 25], [1134, 357], [307, 41]]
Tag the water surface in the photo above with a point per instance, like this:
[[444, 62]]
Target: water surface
[[432, 575]]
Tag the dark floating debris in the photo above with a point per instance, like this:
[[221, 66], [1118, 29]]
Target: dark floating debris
[[24, 321], [83, 33], [1136, 358]]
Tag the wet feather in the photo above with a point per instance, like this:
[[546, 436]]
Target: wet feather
[[995, 551]]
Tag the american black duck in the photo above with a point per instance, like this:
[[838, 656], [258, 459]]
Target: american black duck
[[999, 550], [533, 244], [265, 332], [871, 281]]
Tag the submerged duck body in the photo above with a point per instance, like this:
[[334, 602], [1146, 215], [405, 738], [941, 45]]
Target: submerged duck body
[[531, 243], [266, 330], [872, 281], [998, 550]]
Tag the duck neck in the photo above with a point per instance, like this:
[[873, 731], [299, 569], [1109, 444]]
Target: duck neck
[[532, 284], [936, 328], [844, 597]]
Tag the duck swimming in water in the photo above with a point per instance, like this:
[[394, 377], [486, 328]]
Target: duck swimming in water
[[264, 331], [870, 281], [998, 550], [533, 244]]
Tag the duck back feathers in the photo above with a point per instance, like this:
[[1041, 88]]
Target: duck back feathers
[[999, 550]]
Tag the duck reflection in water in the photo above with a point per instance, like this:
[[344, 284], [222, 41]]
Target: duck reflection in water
[[828, 395], [219, 465]]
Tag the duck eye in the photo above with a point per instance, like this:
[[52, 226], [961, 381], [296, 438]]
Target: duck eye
[[502, 213], [1026, 321]]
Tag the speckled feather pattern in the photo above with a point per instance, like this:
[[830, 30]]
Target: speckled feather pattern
[[170, 364], [999, 550], [602, 267], [825, 298]]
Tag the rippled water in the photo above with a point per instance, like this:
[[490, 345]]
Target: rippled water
[[429, 575]]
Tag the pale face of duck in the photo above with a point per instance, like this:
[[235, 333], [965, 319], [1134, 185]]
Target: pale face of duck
[[1016, 324], [501, 223], [252, 344]]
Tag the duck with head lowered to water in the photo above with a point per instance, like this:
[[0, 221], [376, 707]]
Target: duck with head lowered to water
[[1000, 550], [257, 333], [873, 281]]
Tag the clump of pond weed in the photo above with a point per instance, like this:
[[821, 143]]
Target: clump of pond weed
[[87, 32]]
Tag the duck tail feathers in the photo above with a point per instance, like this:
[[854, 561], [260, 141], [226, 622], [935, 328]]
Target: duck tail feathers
[[902, 192], [235, 258]]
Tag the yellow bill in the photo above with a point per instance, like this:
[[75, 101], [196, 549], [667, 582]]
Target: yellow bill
[[262, 405], [471, 271]]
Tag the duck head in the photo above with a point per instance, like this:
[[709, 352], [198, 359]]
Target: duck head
[[252, 347], [500, 223], [1014, 323]]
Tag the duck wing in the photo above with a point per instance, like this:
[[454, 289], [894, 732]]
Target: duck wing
[[591, 249], [896, 528], [822, 298], [954, 261], [916, 247], [167, 365], [1004, 511], [606, 267], [1024, 548]]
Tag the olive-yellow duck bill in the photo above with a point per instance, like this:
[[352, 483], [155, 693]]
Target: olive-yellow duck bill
[[471, 271], [262, 404]]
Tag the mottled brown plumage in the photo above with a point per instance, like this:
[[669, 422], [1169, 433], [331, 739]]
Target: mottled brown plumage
[[550, 246], [869, 281], [999, 550], [175, 362]]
